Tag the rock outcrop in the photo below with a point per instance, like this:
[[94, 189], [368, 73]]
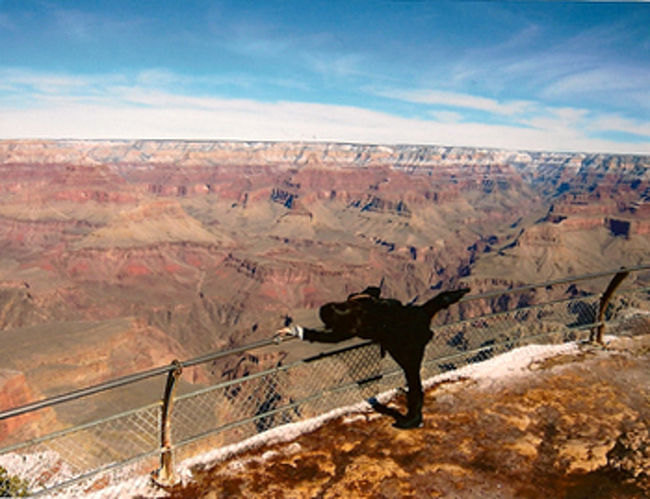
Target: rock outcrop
[[15, 392]]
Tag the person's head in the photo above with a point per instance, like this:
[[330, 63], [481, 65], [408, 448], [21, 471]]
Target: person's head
[[348, 315]]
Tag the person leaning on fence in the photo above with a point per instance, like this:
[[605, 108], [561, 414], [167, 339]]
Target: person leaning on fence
[[401, 330]]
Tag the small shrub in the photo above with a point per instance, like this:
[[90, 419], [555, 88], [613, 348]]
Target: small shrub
[[11, 485]]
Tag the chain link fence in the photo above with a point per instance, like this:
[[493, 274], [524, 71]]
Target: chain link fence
[[260, 392]]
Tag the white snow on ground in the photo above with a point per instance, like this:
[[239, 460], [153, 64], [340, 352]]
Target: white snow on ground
[[123, 483], [129, 481], [507, 365], [45, 468]]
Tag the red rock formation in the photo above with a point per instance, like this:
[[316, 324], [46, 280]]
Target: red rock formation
[[15, 392]]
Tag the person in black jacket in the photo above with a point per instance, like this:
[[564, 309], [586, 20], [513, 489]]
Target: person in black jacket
[[401, 330]]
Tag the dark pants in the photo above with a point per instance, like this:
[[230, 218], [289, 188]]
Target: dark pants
[[409, 358]]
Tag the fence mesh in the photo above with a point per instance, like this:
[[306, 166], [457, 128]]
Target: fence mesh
[[50, 461], [254, 398]]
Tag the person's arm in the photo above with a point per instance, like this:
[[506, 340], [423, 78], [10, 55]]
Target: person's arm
[[320, 335], [325, 335]]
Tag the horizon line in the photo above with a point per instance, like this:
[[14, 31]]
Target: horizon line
[[320, 141]]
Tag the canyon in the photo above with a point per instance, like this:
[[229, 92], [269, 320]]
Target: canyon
[[118, 256]]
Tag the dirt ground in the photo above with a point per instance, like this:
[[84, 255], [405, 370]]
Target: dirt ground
[[574, 426]]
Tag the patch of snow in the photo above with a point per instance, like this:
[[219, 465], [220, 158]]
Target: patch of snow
[[138, 486], [281, 434], [128, 481], [354, 417], [41, 469], [269, 454], [293, 448], [44, 470], [513, 363]]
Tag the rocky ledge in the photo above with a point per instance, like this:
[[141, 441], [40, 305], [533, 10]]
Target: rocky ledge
[[573, 425]]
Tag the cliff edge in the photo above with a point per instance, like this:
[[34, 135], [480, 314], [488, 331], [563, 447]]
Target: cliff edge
[[570, 425]]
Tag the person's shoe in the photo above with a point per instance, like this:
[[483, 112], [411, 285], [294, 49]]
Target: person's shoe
[[407, 424]]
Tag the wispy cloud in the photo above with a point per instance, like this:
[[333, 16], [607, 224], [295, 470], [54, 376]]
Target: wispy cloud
[[598, 64], [33, 84], [84, 26], [75, 23], [335, 65], [271, 42], [536, 75], [528, 114], [252, 120], [23, 84], [138, 110], [617, 123], [602, 80], [461, 100]]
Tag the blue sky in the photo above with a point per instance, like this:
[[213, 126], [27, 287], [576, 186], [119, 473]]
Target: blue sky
[[519, 75]]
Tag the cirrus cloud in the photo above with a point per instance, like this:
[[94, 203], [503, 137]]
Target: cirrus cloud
[[454, 99], [61, 105]]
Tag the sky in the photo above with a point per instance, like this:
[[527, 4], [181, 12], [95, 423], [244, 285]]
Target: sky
[[558, 76]]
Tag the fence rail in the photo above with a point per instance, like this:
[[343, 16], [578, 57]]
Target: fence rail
[[257, 395]]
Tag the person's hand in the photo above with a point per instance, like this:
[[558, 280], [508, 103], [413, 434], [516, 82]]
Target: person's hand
[[290, 331]]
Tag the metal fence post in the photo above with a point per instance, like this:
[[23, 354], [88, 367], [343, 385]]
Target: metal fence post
[[597, 333], [165, 474]]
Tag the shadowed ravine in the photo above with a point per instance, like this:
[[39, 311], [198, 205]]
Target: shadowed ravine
[[573, 426]]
